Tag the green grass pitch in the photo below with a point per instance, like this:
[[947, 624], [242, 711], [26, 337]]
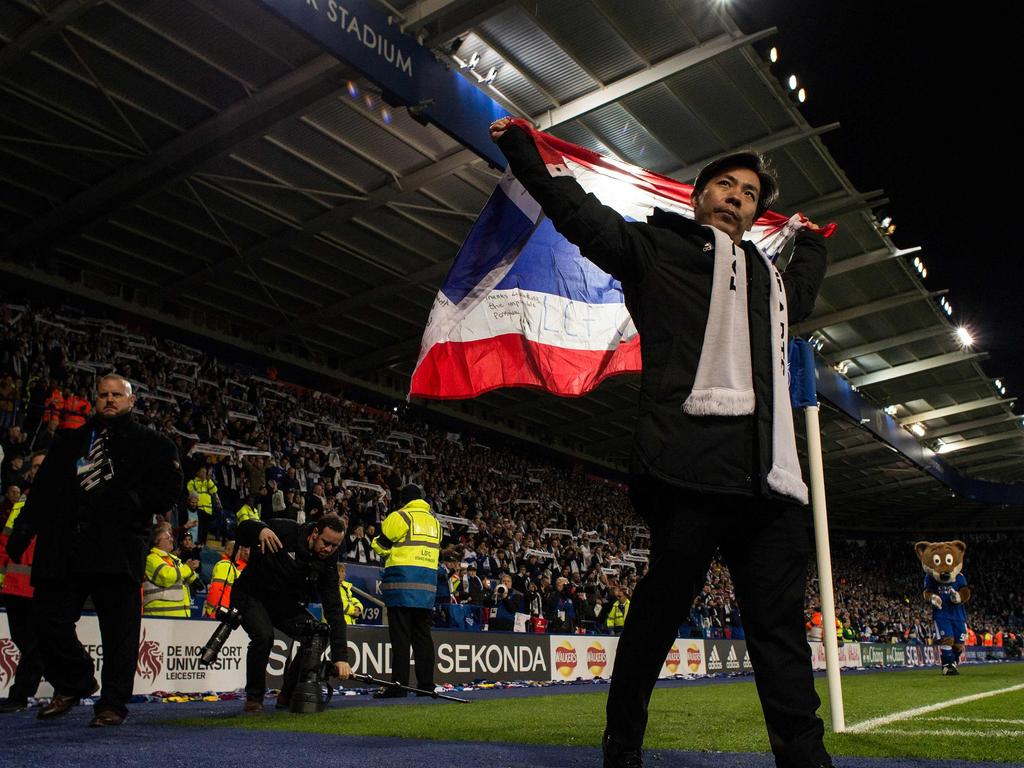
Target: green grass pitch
[[723, 717]]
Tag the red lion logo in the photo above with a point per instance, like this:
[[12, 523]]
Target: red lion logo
[[151, 659], [9, 657]]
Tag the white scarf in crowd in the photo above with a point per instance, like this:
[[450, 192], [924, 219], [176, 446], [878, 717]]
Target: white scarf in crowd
[[724, 385]]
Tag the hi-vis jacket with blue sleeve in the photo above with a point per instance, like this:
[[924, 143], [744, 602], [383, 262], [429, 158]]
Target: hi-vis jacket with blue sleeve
[[410, 542]]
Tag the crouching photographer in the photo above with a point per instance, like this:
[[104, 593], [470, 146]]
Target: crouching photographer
[[288, 563]]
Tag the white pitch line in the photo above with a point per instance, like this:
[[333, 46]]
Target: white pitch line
[[1001, 734], [875, 722], [1004, 720]]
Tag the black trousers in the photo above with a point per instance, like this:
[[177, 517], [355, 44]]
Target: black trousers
[[259, 620], [118, 603], [23, 633], [411, 627], [766, 545]]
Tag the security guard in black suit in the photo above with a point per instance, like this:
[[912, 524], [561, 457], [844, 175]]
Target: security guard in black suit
[[91, 509]]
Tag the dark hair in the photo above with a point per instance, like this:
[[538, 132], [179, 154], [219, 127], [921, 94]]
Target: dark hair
[[752, 161], [331, 521]]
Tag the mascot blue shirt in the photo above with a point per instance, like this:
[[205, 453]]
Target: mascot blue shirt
[[949, 611]]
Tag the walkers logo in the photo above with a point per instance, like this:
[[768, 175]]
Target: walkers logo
[[597, 658], [693, 658], [565, 658], [9, 657], [673, 660], [151, 659]]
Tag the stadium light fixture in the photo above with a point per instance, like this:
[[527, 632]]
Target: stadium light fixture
[[385, 115], [964, 337], [353, 90], [801, 95], [773, 55], [892, 410], [924, 272], [918, 429], [998, 383], [792, 82], [886, 222]]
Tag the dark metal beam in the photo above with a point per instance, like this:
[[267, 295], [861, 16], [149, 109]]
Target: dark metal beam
[[386, 193], [179, 157], [48, 26]]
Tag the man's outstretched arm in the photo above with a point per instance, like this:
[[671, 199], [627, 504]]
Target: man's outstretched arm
[[618, 247]]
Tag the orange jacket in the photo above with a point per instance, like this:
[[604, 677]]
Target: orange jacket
[[53, 408], [76, 410]]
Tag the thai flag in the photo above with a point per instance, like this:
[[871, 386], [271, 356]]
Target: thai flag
[[521, 307]]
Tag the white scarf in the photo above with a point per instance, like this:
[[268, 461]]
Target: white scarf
[[724, 385]]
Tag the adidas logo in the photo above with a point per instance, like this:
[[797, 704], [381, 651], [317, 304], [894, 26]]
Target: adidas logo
[[731, 662], [746, 661], [714, 660], [708, 247]]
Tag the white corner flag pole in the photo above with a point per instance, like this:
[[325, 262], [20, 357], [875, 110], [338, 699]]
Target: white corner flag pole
[[824, 554]]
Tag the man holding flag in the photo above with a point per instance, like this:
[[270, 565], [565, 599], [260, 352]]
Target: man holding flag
[[714, 461]]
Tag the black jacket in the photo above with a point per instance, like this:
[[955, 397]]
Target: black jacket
[[107, 530], [666, 270], [293, 575]]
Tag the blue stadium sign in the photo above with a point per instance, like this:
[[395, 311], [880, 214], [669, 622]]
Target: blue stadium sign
[[361, 35]]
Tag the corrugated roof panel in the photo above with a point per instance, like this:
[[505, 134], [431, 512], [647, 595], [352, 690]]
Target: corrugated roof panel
[[323, 152], [656, 29], [134, 87], [60, 93], [628, 138], [750, 81], [455, 193], [586, 34], [509, 81], [673, 123], [366, 136], [398, 258], [424, 209], [239, 60], [576, 132], [137, 43], [516, 35], [360, 270], [404, 229], [709, 94], [241, 29], [806, 157], [15, 19]]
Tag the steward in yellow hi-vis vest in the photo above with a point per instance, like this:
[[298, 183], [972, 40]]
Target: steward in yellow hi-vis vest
[[165, 591], [410, 542]]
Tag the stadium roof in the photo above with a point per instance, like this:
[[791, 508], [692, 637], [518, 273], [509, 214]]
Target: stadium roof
[[206, 165]]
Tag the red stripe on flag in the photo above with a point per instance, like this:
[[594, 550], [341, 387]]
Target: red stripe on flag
[[468, 369]]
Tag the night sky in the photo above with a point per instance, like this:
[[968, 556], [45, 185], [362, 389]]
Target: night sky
[[925, 99]]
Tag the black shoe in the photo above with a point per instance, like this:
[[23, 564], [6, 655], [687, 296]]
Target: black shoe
[[284, 701], [62, 703], [13, 705], [617, 756], [106, 718]]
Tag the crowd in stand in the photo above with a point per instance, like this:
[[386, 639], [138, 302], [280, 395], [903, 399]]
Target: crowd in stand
[[524, 536]]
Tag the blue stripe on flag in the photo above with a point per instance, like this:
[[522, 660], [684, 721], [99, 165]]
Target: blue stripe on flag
[[501, 228], [551, 264]]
